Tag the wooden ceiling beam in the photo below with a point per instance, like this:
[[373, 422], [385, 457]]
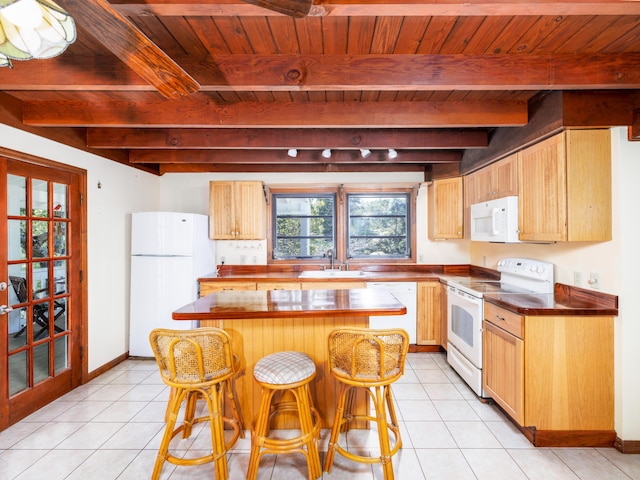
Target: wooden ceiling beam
[[301, 138], [293, 168], [336, 8], [188, 113], [272, 157], [326, 73]]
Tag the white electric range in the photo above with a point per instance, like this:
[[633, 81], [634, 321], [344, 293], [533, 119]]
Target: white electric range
[[465, 311]]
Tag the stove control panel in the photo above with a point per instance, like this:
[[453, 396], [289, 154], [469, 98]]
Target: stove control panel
[[535, 270]]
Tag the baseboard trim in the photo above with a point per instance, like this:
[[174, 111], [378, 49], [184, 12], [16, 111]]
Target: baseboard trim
[[425, 348], [571, 438], [627, 446], [107, 366]]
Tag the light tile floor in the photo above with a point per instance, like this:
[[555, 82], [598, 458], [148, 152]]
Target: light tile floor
[[111, 427]]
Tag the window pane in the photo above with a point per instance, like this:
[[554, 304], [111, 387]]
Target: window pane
[[59, 200], [303, 225], [378, 225], [40, 200], [59, 239], [16, 196], [18, 372], [40, 235], [17, 239]]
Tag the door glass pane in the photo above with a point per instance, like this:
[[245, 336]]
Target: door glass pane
[[40, 362], [18, 372], [59, 200], [59, 277], [40, 279], [39, 198], [17, 328], [40, 232], [60, 314], [40, 321], [17, 239], [59, 239], [60, 349], [16, 196]]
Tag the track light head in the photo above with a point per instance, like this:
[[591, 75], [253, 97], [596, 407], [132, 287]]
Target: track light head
[[292, 152], [392, 154], [326, 153], [365, 153]]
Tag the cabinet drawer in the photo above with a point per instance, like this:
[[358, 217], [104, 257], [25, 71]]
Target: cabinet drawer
[[278, 286], [509, 321], [208, 287]]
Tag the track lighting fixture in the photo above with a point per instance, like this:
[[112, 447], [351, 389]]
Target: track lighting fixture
[[326, 153], [365, 152], [392, 154], [292, 152]]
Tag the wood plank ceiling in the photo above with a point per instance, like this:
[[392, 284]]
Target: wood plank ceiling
[[440, 81]]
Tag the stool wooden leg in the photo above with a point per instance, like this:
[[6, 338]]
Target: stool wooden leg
[[383, 432], [235, 409], [259, 432], [303, 399], [171, 415], [215, 404], [335, 429]]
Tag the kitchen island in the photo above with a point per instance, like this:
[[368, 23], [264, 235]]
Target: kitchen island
[[261, 322]]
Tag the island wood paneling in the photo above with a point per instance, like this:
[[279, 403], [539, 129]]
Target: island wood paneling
[[255, 338]]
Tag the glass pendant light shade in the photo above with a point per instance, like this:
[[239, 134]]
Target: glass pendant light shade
[[33, 29]]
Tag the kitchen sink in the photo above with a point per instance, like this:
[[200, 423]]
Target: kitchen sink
[[332, 273]]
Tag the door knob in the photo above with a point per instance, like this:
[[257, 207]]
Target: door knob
[[4, 309]]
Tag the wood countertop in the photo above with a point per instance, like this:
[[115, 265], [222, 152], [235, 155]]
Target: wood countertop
[[295, 277], [566, 300], [251, 304]]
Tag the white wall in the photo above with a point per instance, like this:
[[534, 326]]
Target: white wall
[[122, 191], [190, 193], [616, 261]]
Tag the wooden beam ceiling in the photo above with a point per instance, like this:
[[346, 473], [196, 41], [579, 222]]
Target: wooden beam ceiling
[[270, 138], [327, 73], [332, 8]]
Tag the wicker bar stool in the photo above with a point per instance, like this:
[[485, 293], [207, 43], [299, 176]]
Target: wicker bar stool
[[286, 372], [197, 364], [370, 359]]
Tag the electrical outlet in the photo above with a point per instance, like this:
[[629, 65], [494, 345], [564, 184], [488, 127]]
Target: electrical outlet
[[577, 279], [243, 259], [222, 259], [594, 280]]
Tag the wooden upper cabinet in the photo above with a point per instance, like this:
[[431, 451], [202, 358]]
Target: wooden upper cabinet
[[565, 188], [237, 210], [497, 180], [446, 209]]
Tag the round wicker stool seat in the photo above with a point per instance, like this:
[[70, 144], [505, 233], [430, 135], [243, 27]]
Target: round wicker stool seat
[[371, 360], [286, 373]]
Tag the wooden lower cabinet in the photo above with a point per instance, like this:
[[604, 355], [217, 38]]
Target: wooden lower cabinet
[[428, 325], [278, 285], [503, 370], [207, 287], [552, 374], [324, 285]]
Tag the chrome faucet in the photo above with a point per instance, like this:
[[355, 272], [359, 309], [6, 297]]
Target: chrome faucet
[[329, 253]]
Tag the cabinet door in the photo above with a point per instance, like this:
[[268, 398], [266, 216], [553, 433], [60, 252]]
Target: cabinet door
[[278, 286], [222, 223], [470, 197], [485, 184], [444, 313], [542, 198], [446, 209], [503, 370], [428, 314], [249, 205], [331, 285], [505, 174], [208, 287]]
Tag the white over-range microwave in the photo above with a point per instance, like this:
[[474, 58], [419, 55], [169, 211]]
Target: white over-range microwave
[[495, 220]]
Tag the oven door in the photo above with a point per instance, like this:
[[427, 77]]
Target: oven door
[[464, 328]]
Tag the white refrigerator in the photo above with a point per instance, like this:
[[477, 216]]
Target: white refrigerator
[[169, 252]]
